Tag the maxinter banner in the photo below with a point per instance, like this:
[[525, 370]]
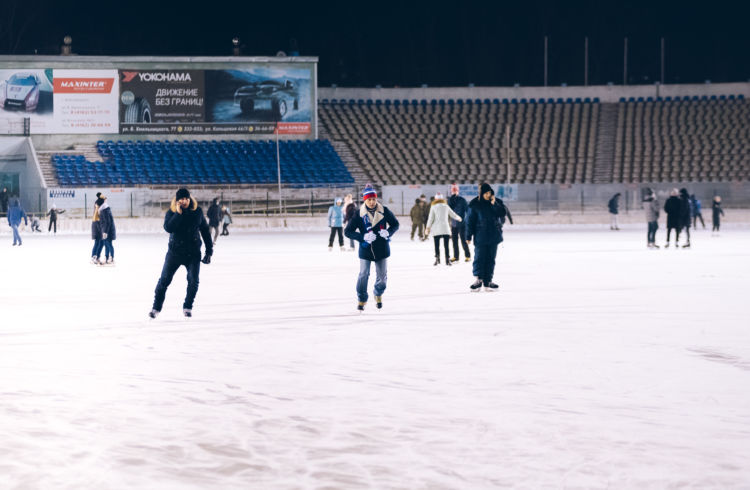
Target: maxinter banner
[[85, 101]]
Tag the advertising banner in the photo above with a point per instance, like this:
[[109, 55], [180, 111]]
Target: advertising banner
[[27, 93], [85, 101]]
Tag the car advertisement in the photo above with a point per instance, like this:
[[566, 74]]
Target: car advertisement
[[85, 101], [26, 93], [162, 101]]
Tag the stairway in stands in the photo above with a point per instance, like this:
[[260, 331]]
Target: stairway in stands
[[48, 170], [348, 157], [605, 143]]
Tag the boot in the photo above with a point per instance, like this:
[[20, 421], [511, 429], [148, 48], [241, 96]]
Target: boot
[[361, 305], [437, 261], [153, 313], [490, 286], [187, 312], [468, 258], [448, 261], [477, 284], [379, 301]]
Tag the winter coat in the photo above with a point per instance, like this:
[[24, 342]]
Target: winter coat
[[484, 222], [652, 209], [673, 208], [351, 210], [696, 206], [107, 222], [686, 215], [425, 211], [335, 216], [459, 206], [716, 211], [437, 222], [226, 216], [16, 213], [53, 213], [214, 215], [416, 214], [614, 205], [186, 229], [381, 219], [4, 199]]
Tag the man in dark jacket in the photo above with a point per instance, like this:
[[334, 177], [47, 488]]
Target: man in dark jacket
[[673, 208], [214, 218], [15, 215], [4, 195], [186, 225], [614, 207], [53, 212], [458, 229], [484, 226], [686, 214], [372, 227], [108, 230]]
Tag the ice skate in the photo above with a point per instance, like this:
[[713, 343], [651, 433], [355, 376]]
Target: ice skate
[[343, 249], [448, 262], [477, 284], [361, 306], [152, 314], [687, 245], [187, 312], [454, 259], [379, 301], [666, 245], [111, 261], [437, 261], [95, 260], [467, 259], [490, 286]]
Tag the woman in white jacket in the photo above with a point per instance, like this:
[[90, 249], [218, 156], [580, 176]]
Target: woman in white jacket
[[438, 222]]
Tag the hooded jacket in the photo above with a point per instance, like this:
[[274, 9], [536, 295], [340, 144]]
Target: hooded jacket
[[335, 215], [107, 222], [437, 221], [459, 206], [16, 213], [484, 223], [651, 206], [380, 219], [686, 214], [673, 208], [214, 214], [186, 229]]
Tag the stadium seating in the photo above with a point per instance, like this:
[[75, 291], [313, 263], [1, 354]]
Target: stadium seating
[[303, 163]]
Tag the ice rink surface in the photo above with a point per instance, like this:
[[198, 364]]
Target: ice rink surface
[[598, 364]]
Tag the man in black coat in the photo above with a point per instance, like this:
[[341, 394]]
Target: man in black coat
[[458, 229], [484, 225], [214, 217], [186, 226], [673, 208], [4, 195]]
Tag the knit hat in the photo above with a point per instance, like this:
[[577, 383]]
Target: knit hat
[[182, 193], [485, 187], [369, 192], [438, 196], [454, 189]]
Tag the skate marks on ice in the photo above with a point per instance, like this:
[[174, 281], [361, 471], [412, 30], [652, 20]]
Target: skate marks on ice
[[715, 355]]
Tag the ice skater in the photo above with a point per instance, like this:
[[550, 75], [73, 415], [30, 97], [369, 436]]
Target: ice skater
[[439, 225], [35, 223], [52, 213], [695, 204], [673, 208], [4, 196], [15, 214], [214, 217], [716, 214], [458, 229], [417, 219], [651, 205], [483, 224], [108, 230], [372, 227], [96, 232], [614, 206], [685, 214], [350, 209], [186, 225], [226, 220], [336, 223]]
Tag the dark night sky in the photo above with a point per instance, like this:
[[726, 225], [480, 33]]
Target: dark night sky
[[409, 43]]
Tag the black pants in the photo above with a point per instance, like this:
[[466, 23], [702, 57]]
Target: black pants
[[334, 230], [171, 264], [445, 246], [695, 220], [676, 233], [225, 229], [52, 222], [652, 227], [484, 262], [456, 233]]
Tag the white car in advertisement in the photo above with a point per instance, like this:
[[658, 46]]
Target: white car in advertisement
[[21, 91]]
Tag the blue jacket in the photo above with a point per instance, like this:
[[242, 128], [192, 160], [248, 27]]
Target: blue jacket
[[484, 222], [361, 223], [335, 216], [15, 213], [459, 206]]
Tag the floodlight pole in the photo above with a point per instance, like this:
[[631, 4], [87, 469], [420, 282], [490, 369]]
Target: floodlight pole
[[546, 59], [278, 164], [507, 155]]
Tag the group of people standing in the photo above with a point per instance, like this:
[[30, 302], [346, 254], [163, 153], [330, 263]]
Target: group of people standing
[[683, 209], [103, 232], [218, 214]]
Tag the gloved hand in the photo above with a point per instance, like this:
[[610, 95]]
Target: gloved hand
[[104, 236], [370, 237], [384, 233], [206, 258]]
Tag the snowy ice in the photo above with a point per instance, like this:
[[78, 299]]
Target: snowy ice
[[598, 364]]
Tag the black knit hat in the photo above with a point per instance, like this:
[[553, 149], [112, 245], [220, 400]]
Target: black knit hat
[[182, 193]]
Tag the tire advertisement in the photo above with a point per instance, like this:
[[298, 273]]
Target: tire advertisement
[[253, 100]]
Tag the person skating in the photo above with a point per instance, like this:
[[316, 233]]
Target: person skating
[[438, 224], [484, 227], [53, 213], [458, 229], [417, 219], [186, 225], [226, 220], [685, 215], [35, 223], [336, 223], [350, 209], [96, 232], [695, 205], [425, 212], [651, 205], [372, 227], [15, 215], [716, 214], [614, 206], [4, 196], [108, 230], [673, 208], [214, 217]]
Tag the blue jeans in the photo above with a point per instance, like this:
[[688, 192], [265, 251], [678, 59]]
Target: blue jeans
[[381, 277], [109, 249], [484, 261], [97, 250], [171, 264], [16, 236]]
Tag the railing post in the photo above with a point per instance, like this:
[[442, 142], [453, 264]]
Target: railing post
[[582, 202], [537, 202]]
